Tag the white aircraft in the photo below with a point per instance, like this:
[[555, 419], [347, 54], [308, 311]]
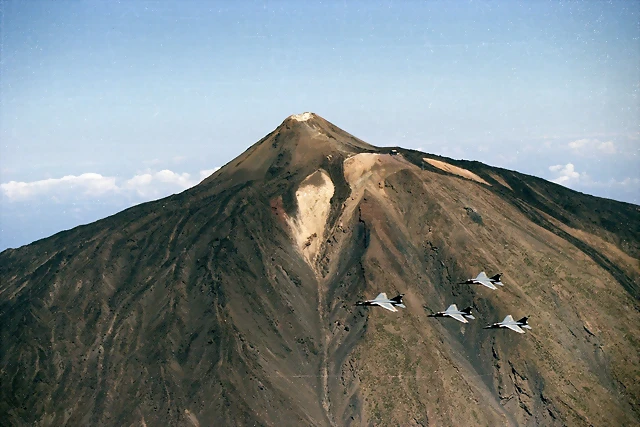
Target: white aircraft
[[514, 325], [453, 311], [384, 302], [482, 279]]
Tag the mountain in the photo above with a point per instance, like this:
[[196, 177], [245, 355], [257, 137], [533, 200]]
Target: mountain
[[232, 303]]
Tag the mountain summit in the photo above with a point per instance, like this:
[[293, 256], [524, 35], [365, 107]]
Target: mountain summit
[[303, 142], [233, 303]]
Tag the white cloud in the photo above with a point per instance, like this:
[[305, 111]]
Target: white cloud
[[628, 182], [139, 181], [168, 176], [86, 184], [158, 184], [591, 146], [140, 187], [632, 184], [578, 144], [567, 174], [625, 189]]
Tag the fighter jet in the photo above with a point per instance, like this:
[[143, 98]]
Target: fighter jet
[[453, 311], [384, 302], [482, 279], [514, 325]]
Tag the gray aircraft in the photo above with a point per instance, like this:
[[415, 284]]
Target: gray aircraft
[[384, 302], [482, 279], [452, 311], [514, 325]]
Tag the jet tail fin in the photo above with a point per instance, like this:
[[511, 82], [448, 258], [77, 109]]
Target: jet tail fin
[[496, 278], [397, 299], [524, 320], [467, 310]]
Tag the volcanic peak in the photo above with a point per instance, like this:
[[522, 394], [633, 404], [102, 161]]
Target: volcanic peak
[[204, 297]]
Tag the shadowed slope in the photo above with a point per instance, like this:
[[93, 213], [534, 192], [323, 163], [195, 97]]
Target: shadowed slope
[[232, 302]]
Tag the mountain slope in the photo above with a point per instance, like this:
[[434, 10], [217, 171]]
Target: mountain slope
[[232, 302]]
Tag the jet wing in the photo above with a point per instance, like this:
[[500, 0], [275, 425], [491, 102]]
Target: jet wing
[[452, 307], [386, 305], [486, 283], [482, 276], [514, 328], [458, 317], [380, 296], [508, 319]]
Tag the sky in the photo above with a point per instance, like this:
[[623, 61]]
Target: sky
[[107, 104]]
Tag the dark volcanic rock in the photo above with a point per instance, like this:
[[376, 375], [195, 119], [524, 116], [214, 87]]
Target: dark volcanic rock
[[232, 303]]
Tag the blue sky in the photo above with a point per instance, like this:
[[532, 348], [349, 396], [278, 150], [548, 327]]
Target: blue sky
[[107, 104]]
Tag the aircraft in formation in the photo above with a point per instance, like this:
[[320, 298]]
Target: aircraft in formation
[[453, 311], [384, 302], [482, 279], [514, 325]]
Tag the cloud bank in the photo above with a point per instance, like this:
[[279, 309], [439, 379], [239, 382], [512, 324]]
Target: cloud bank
[[141, 187], [591, 146], [567, 174], [625, 189]]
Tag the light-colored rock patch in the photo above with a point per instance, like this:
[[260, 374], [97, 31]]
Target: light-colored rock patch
[[303, 117], [372, 169], [359, 167], [455, 170], [368, 171], [314, 197]]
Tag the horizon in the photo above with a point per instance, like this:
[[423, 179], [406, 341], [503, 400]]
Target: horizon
[[108, 106]]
